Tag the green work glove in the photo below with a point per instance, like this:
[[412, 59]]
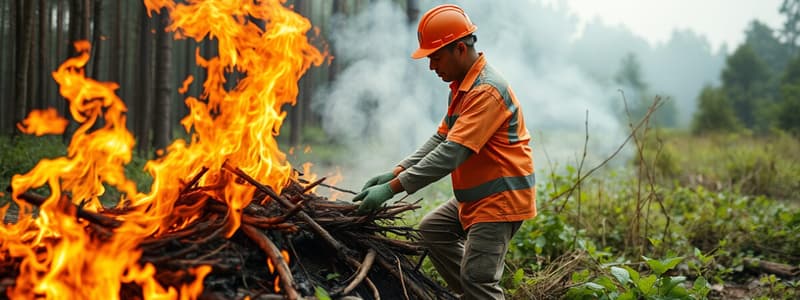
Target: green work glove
[[373, 197], [380, 179]]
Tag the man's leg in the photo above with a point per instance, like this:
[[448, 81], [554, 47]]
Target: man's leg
[[443, 236], [482, 265]]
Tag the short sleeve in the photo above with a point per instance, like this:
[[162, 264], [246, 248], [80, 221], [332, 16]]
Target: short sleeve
[[482, 114]]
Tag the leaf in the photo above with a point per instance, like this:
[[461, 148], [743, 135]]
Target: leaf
[[646, 285], [634, 275], [700, 287], [606, 282], [580, 276], [321, 294], [621, 275], [518, 276], [670, 283], [627, 295], [594, 286], [662, 266], [656, 243]]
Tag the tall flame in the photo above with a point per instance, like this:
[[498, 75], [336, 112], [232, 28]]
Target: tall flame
[[59, 259]]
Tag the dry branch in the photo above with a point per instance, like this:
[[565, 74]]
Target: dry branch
[[324, 237]]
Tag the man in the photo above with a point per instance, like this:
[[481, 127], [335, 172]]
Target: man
[[483, 143]]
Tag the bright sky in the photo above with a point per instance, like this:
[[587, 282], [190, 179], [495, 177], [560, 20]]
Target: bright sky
[[721, 21]]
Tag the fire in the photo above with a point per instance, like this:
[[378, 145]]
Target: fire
[[44, 121], [60, 259], [277, 281]]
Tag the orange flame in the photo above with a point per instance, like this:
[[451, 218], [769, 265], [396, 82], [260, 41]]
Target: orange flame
[[186, 82], [44, 121], [59, 259], [277, 281]]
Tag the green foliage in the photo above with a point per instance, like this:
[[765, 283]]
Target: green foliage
[[626, 283], [546, 236], [321, 294], [789, 113], [766, 45], [744, 81], [20, 154], [714, 113], [753, 165]]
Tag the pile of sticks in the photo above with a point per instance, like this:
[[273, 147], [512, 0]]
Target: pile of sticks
[[295, 245]]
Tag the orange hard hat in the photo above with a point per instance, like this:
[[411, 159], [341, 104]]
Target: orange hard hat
[[440, 26]]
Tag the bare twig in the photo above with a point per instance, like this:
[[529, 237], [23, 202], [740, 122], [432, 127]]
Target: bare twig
[[275, 256], [361, 273], [96, 218], [341, 250], [331, 187], [402, 282], [635, 129]]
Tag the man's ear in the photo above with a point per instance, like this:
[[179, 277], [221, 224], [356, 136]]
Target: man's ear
[[462, 47]]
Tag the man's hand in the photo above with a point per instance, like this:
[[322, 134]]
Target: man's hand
[[373, 197], [380, 179]]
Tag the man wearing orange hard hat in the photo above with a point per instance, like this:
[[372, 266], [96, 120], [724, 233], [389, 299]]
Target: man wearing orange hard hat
[[482, 143]]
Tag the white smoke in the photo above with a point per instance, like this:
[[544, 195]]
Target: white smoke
[[384, 104]]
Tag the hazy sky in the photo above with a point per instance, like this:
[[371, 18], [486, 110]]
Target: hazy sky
[[722, 21]]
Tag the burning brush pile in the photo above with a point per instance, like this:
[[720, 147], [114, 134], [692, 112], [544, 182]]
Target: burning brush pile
[[226, 217]]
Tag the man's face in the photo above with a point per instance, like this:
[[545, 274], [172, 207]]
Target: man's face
[[444, 63]]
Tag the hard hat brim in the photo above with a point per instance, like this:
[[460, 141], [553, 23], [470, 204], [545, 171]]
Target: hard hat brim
[[422, 53]]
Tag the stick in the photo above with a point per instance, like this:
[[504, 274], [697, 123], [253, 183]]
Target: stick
[[402, 282], [362, 272], [331, 187], [421, 259], [341, 250], [96, 218], [277, 259], [375, 293], [414, 288], [312, 185], [194, 180]]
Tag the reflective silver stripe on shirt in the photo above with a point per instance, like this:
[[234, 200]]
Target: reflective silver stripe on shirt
[[494, 186]]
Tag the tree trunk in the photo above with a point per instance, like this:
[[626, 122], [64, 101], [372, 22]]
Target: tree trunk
[[339, 7], [6, 82], [33, 59], [43, 92], [23, 61], [116, 44], [97, 40], [78, 30], [86, 19], [295, 129], [144, 91], [128, 70], [162, 129], [59, 104]]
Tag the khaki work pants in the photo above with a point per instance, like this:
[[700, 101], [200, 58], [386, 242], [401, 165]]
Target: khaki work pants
[[470, 262]]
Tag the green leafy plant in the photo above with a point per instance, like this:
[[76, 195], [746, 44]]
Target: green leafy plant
[[626, 283]]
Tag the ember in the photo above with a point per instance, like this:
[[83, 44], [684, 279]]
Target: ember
[[226, 216]]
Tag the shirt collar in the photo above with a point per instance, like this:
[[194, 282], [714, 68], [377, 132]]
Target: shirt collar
[[472, 74]]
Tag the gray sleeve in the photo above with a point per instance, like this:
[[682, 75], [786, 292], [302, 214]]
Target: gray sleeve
[[439, 162], [426, 148]]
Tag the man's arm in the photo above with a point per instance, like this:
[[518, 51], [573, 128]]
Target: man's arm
[[439, 162], [426, 148]]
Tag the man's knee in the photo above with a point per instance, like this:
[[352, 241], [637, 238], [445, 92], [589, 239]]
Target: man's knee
[[483, 263]]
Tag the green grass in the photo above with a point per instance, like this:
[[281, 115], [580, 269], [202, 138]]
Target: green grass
[[713, 201]]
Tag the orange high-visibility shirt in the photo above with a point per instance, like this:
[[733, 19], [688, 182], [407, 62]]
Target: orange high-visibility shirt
[[496, 183]]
